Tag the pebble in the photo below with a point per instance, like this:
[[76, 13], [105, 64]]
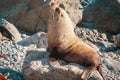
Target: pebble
[[16, 54], [15, 57], [103, 36]]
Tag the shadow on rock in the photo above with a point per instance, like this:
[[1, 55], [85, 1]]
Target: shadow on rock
[[11, 74], [38, 39]]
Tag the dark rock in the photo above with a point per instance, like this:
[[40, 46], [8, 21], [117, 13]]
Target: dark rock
[[104, 14], [9, 30], [85, 3], [32, 15]]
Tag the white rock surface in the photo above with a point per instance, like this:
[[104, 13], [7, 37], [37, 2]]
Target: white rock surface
[[16, 36], [32, 15], [37, 67]]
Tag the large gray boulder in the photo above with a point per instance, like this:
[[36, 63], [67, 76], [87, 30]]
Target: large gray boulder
[[104, 14], [36, 64], [9, 31], [32, 15], [37, 67]]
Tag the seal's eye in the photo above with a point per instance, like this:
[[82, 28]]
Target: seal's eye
[[57, 10], [62, 6], [62, 15]]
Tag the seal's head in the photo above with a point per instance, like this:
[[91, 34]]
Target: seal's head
[[58, 14], [59, 27]]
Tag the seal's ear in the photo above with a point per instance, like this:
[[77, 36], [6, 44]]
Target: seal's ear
[[62, 6], [57, 10]]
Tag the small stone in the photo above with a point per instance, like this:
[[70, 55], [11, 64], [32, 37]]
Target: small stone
[[95, 31], [91, 33], [103, 35], [116, 39], [23, 36]]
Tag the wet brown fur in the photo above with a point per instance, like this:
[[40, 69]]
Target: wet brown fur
[[64, 44]]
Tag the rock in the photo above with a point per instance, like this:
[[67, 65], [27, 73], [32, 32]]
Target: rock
[[117, 40], [11, 74], [11, 59], [112, 64], [10, 30], [12, 55], [118, 51], [85, 3], [32, 15], [104, 14], [37, 67], [39, 39], [1, 37], [104, 36]]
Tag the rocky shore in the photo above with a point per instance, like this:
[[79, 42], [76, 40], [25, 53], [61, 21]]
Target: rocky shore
[[23, 54], [11, 66]]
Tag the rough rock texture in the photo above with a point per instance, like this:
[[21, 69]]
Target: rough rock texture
[[12, 55], [85, 3], [38, 39], [37, 59], [36, 66], [9, 30], [32, 15], [11, 60], [99, 40], [104, 14], [111, 63], [117, 40]]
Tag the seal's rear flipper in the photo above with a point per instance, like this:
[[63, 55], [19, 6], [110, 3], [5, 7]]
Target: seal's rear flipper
[[96, 74], [86, 73]]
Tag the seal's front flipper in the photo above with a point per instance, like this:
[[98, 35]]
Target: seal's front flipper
[[53, 57], [52, 61]]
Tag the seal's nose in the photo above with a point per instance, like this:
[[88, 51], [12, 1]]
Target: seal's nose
[[57, 10]]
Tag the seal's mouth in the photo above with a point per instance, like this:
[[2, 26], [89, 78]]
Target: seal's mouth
[[54, 10]]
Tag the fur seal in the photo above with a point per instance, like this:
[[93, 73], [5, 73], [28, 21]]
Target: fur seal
[[64, 44]]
